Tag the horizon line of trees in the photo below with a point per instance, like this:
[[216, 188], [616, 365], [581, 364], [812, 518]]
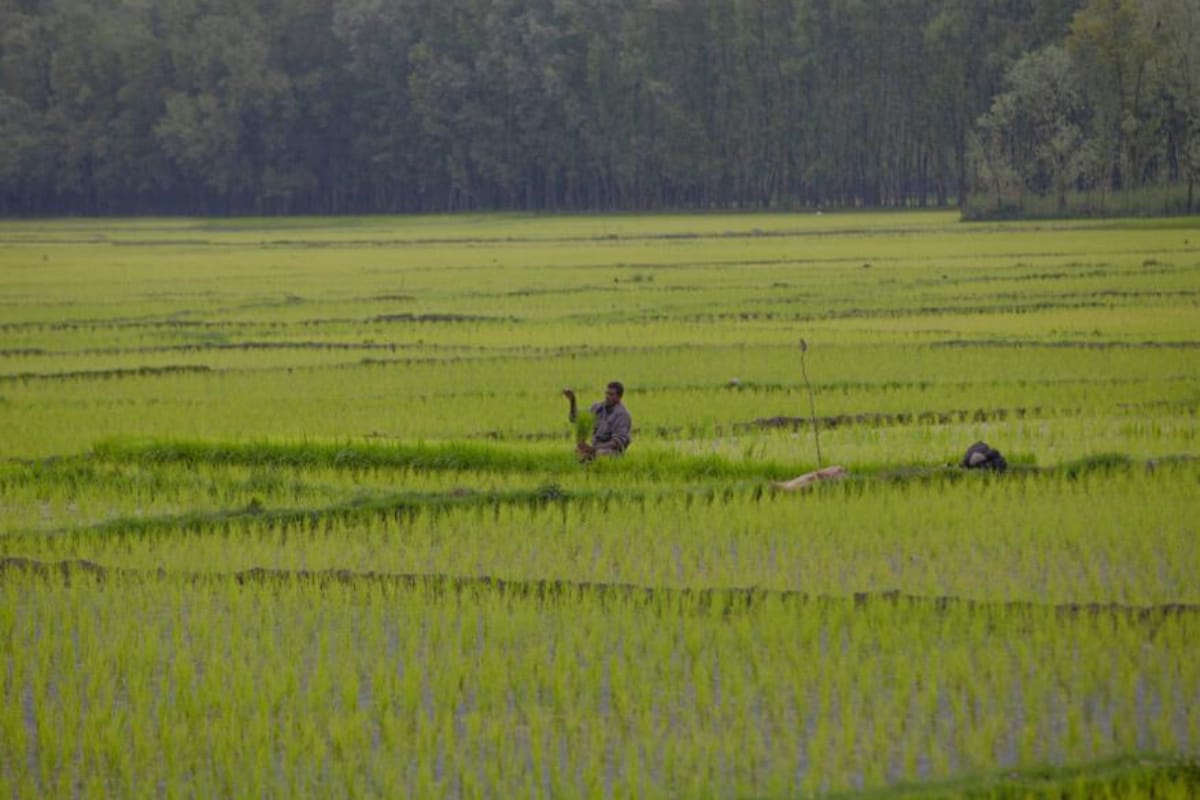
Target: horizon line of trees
[[359, 106]]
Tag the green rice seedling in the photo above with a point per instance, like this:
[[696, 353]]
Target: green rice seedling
[[1012, 306], [1060, 539], [710, 709], [585, 422]]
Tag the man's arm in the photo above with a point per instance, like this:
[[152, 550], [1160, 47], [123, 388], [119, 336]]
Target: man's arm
[[569, 393]]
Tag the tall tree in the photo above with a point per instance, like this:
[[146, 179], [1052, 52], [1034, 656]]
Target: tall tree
[[1111, 44], [1035, 137], [394, 163], [1175, 30], [27, 156], [279, 106]]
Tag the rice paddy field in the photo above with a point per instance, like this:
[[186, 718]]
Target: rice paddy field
[[290, 508]]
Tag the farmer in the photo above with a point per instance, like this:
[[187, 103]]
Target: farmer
[[610, 436]]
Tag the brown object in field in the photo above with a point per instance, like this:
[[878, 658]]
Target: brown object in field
[[809, 478]]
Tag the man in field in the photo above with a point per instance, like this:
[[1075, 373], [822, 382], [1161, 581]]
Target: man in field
[[611, 434]]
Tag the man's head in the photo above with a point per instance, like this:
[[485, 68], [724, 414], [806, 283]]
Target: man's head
[[613, 393]]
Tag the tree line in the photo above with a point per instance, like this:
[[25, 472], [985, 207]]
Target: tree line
[[354, 106]]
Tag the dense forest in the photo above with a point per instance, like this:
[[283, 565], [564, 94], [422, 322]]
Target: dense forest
[[353, 106]]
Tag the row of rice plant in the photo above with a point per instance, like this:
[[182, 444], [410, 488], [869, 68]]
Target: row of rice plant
[[151, 686], [673, 395], [1056, 537]]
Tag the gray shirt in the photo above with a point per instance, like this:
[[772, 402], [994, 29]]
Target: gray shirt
[[613, 427]]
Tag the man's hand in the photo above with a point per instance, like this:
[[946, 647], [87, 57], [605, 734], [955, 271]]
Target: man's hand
[[569, 393], [584, 451]]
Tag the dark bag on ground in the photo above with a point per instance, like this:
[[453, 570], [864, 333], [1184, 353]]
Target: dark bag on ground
[[982, 456]]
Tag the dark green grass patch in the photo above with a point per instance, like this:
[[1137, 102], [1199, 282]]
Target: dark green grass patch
[[255, 512], [452, 456], [646, 479], [493, 458], [1136, 776]]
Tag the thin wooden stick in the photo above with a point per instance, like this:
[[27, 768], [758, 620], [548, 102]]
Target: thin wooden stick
[[812, 403]]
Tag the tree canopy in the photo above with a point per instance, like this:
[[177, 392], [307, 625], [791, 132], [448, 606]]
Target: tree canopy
[[352, 106]]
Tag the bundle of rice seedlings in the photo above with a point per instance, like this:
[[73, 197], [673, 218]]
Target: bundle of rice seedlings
[[585, 421]]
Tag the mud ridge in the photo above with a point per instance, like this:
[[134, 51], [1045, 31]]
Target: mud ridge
[[425, 318], [729, 600], [1070, 344], [132, 372], [889, 419], [876, 313]]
